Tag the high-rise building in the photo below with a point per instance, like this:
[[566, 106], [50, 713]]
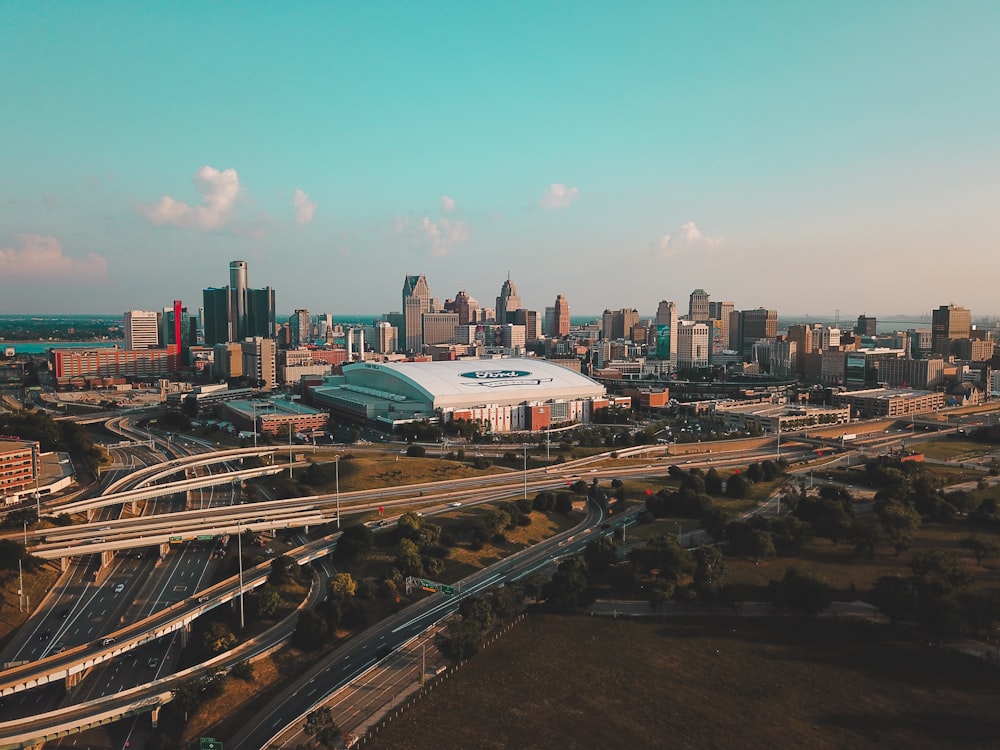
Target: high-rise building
[[698, 306], [866, 326], [237, 300], [216, 301], [438, 327], [177, 328], [721, 311], [236, 312], [666, 332], [466, 307], [617, 324], [692, 345], [560, 321], [259, 362], [299, 329], [141, 329], [416, 302], [948, 323], [531, 322], [508, 301], [755, 325]]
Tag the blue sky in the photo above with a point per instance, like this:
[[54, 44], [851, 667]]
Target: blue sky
[[802, 156]]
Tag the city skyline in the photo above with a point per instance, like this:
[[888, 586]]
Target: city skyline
[[804, 159]]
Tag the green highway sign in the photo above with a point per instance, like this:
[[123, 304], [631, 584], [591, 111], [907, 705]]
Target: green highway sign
[[449, 590], [207, 743], [205, 537]]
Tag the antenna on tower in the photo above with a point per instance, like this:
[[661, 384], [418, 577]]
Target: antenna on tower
[[836, 319]]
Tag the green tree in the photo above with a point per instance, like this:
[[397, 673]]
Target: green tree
[[283, 570], [900, 523], [569, 587], [804, 591], [408, 558], [342, 586], [354, 541], [218, 638], [269, 601], [322, 728], [981, 546], [310, 631], [896, 597], [709, 570]]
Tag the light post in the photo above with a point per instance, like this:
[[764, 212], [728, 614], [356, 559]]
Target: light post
[[253, 404], [289, 449], [239, 553], [525, 472], [336, 465], [20, 587], [26, 536]]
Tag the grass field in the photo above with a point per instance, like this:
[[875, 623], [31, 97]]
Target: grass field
[[579, 682]]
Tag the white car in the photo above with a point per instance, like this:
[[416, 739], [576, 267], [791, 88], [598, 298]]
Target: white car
[[119, 587], [455, 505]]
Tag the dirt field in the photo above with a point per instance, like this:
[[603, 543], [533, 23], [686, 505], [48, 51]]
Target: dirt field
[[579, 682]]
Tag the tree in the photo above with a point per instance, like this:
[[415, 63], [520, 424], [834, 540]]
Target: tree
[[804, 591], [218, 638], [713, 482], [321, 727], [243, 670], [900, 523], [981, 546], [736, 486], [408, 558], [311, 630], [564, 503], [600, 554], [416, 451], [709, 570], [342, 586], [569, 587], [269, 601], [283, 570], [895, 596], [355, 541]]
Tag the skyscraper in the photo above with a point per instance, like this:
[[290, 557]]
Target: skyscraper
[[236, 312], [698, 306], [721, 311], [561, 322], [416, 301], [141, 329], [949, 322], [755, 325], [666, 332], [508, 301], [237, 300], [299, 328]]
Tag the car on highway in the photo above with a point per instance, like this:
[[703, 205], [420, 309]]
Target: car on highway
[[45, 635], [107, 641], [64, 613], [58, 647], [119, 587], [455, 504], [154, 662]]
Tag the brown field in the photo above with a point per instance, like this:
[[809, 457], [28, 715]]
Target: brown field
[[584, 682], [36, 584], [948, 448]]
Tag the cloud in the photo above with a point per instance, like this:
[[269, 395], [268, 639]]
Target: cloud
[[41, 258], [443, 233], [400, 224], [447, 204], [304, 208], [219, 192], [687, 238], [558, 195]]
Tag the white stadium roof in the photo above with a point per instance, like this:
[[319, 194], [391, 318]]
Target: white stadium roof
[[467, 383]]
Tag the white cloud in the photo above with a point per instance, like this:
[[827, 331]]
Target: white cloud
[[304, 208], [443, 233], [558, 195], [447, 204], [219, 192], [687, 238], [42, 258], [400, 224]]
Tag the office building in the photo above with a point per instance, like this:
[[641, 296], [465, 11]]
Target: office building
[[416, 302], [692, 345], [617, 324], [141, 329], [299, 329], [754, 325], [866, 326], [508, 302], [236, 312], [721, 311], [557, 322], [666, 332], [949, 323], [260, 362], [439, 327], [698, 306], [19, 468]]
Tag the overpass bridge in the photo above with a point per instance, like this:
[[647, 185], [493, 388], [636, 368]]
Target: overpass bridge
[[71, 665], [162, 490]]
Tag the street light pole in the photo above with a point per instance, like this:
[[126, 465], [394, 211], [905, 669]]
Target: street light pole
[[239, 548], [336, 465], [525, 473]]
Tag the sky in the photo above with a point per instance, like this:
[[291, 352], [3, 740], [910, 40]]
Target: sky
[[806, 157]]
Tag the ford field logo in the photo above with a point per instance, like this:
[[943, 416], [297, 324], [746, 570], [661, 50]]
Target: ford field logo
[[501, 378], [495, 374]]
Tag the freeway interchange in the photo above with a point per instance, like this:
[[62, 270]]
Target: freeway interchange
[[149, 600]]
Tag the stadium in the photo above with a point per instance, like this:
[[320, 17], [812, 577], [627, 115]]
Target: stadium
[[506, 395]]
